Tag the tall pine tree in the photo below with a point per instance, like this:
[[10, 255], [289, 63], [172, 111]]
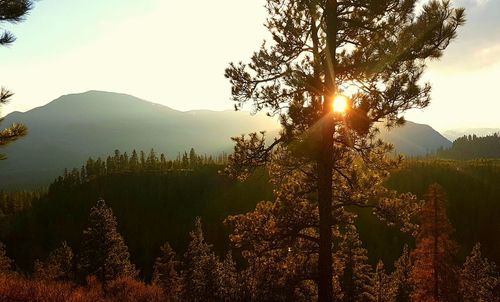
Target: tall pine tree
[[200, 274], [401, 277], [11, 12], [104, 253], [434, 275], [479, 280], [321, 48], [165, 273]]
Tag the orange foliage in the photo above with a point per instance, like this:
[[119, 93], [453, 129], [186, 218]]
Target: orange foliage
[[16, 288]]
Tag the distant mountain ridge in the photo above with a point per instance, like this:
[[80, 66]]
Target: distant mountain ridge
[[67, 131]]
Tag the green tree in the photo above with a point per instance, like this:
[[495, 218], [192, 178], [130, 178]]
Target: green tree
[[200, 274], [104, 253], [5, 261], [319, 49], [11, 12], [165, 273], [57, 266], [479, 279]]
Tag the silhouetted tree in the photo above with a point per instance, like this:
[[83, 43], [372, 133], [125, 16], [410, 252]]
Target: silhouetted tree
[[104, 253], [11, 12], [57, 266], [434, 275], [200, 274], [479, 280], [318, 49], [165, 274]]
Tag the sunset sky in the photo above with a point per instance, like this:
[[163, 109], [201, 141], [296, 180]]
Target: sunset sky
[[175, 53]]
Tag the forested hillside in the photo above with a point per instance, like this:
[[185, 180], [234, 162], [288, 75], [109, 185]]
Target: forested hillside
[[157, 201], [472, 147]]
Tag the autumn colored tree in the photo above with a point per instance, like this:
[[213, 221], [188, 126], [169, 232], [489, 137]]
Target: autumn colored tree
[[104, 253], [58, 266], [479, 279], [165, 273], [5, 261], [319, 49], [11, 12], [401, 287], [434, 275], [200, 274]]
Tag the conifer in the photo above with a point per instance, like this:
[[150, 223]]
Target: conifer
[[479, 280], [104, 253], [165, 273], [57, 266], [401, 283], [434, 275], [5, 261], [11, 12], [200, 274]]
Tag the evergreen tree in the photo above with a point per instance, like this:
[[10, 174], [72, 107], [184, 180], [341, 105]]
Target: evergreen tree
[[200, 274], [11, 12], [229, 283], [434, 275], [381, 285], [57, 266], [319, 49], [357, 273], [104, 253], [5, 262], [479, 280], [165, 273], [401, 283]]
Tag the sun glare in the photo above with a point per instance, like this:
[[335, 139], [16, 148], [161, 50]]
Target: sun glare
[[340, 104]]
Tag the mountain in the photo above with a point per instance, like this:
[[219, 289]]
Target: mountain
[[415, 139], [456, 133], [65, 132]]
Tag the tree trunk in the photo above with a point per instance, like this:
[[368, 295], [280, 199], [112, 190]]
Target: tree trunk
[[325, 163]]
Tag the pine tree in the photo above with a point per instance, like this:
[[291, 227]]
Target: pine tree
[[401, 283], [319, 49], [381, 285], [11, 12], [5, 262], [57, 266], [200, 274], [357, 273], [165, 274], [104, 253], [478, 278], [228, 287], [434, 274]]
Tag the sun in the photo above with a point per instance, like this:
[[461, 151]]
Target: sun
[[340, 104]]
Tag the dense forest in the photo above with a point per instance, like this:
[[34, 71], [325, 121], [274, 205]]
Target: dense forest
[[155, 203], [471, 147]]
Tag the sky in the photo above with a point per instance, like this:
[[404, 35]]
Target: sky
[[175, 52]]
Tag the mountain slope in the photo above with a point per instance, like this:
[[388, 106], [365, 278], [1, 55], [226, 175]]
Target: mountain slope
[[65, 132], [415, 139]]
